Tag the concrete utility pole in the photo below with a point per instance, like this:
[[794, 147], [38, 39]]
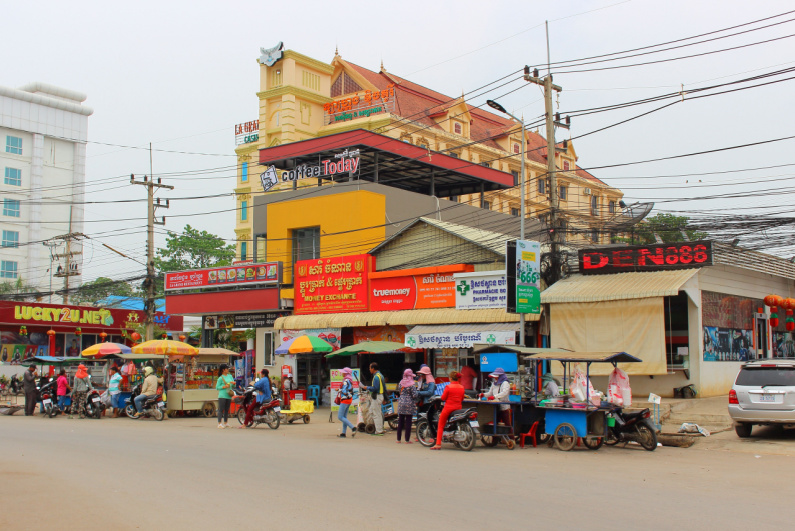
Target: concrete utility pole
[[71, 270], [149, 283]]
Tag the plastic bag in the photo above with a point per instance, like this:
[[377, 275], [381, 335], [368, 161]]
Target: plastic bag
[[581, 387], [618, 390]]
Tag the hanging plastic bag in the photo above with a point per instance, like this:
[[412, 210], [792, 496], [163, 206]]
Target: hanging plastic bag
[[581, 387], [618, 390]]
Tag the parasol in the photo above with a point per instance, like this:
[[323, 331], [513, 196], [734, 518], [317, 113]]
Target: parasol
[[372, 347], [165, 347], [304, 344], [105, 349]]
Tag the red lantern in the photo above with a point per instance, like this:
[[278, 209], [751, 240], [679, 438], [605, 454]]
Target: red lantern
[[165, 336], [78, 332], [102, 336], [788, 304], [182, 338], [135, 336], [773, 316], [770, 300], [50, 333]]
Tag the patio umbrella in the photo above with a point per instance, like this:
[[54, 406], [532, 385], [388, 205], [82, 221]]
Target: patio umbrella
[[303, 345], [164, 347], [105, 349], [372, 347]]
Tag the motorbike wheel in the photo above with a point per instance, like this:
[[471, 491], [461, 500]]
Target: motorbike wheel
[[424, 433], [468, 443], [647, 437], [489, 440], [209, 409], [157, 413], [593, 443], [393, 424], [565, 437], [273, 420], [129, 410], [48, 411], [98, 412], [611, 439], [306, 419], [241, 415]]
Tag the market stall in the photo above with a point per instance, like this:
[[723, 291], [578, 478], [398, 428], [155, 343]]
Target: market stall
[[191, 379]]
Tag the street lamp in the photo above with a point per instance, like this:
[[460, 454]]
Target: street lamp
[[494, 105]]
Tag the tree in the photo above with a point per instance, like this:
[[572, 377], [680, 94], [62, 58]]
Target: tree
[[193, 250], [18, 290], [101, 288], [668, 227]]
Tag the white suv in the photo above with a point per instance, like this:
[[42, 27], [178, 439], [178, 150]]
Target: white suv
[[764, 393]]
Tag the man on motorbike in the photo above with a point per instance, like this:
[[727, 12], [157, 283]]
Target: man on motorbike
[[263, 388], [148, 390]]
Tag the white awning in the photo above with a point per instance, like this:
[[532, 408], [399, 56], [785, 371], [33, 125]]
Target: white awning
[[618, 286]]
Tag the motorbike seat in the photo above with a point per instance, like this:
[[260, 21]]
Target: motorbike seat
[[635, 414], [458, 412]]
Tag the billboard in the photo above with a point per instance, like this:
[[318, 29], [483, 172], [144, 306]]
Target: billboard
[[476, 291], [523, 272], [657, 257], [329, 285], [410, 289], [225, 277]]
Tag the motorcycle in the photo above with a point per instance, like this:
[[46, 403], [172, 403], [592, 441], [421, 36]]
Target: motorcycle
[[267, 412], [462, 428], [632, 427], [15, 385], [152, 407], [94, 406], [47, 395]]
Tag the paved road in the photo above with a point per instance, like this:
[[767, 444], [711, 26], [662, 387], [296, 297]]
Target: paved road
[[186, 473]]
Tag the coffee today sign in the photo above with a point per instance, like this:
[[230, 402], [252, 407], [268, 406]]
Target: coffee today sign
[[345, 162]]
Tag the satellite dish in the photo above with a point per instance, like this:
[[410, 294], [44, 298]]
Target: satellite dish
[[629, 216]]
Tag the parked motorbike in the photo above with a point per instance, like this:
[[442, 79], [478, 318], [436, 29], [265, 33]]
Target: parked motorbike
[[152, 407], [632, 427], [94, 406], [15, 385], [462, 427], [47, 395], [265, 413]]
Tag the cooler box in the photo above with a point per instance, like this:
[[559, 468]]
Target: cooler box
[[298, 394]]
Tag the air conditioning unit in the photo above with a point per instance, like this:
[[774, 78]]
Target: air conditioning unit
[[586, 191]]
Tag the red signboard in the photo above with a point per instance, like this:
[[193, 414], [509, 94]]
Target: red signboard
[[88, 318], [225, 277], [659, 257], [330, 285], [215, 302], [409, 289]]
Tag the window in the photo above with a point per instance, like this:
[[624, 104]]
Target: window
[[563, 193], [541, 186], [517, 148], [514, 211], [457, 128], [13, 177], [243, 250], [244, 172], [8, 269], [486, 164], [11, 208], [565, 165], [594, 235], [310, 80], [13, 145], [487, 205], [10, 238], [611, 207], [515, 177], [594, 206], [269, 343], [454, 155], [243, 210], [306, 244]]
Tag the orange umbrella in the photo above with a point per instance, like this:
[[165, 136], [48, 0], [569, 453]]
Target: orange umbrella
[[165, 347]]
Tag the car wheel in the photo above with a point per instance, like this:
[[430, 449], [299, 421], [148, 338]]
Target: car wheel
[[743, 429]]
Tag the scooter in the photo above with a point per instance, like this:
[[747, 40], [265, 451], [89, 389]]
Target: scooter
[[94, 406], [152, 407], [47, 396], [462, 428], [265, 413], [632, 427]]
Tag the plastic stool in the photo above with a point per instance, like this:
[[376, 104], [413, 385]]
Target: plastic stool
[[314, 393]]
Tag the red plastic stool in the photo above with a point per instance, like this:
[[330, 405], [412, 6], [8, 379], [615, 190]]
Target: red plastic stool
[[530, 433]]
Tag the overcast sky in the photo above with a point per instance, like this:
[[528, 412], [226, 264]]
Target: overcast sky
[[180, 74]]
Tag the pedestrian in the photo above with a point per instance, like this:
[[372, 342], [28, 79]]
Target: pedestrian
[[346, 398], [500, 390], [453, 398], [224, 385], [81, 387], [468, 376], [407, 404], [63, 389], [377, 392], [31, 393], [114, 391], [427, 385]]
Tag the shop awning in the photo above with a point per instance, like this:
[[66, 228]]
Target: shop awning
[[586, 357], [404, 317], [371, 347], [469, 327], [619, 286]]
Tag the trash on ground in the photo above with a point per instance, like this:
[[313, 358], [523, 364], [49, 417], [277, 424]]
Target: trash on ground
[[691, 427]]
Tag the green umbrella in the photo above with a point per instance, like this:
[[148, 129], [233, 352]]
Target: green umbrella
[[372, 347]]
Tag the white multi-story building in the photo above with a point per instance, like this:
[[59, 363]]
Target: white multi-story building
[[43, 132]]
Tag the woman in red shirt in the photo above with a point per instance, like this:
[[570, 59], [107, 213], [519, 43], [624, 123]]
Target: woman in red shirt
[[453, 398]]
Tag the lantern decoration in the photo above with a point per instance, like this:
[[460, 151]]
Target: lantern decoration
[[78, 332], [23, 330], [788, 304], [103, 336], [182, 338], [789, 322], [770, 300], [774, 301], [136, 336], [51, 332], [773, 316], [164, 336]]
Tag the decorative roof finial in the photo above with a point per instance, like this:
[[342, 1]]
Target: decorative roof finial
[[382, 66], [336, 51]]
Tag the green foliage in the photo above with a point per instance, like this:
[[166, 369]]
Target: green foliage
[[11, 290], [101, 288], [668, 227], [193, 249]]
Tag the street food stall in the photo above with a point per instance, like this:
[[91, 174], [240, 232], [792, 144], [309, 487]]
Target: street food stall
[[190, 380]]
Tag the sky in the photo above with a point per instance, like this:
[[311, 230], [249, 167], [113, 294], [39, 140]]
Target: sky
[[180, 75]]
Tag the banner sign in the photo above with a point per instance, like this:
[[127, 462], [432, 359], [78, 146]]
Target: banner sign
[[58, 315], [329, 285], [257, 320], [247, 132], [380, 333], [225, 277], [459, 339], [335, 384], [345, 162], [409, 289], [523, 270], [332, 336], [474, 291], [658, 257], [371, 102]]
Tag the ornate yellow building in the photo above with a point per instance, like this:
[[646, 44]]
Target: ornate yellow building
[[302, 98]]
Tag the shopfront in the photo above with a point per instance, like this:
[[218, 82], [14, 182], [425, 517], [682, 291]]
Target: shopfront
[[692, 311]]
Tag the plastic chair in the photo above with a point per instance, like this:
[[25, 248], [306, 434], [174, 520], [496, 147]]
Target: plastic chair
[[314, 393], [531, 433]]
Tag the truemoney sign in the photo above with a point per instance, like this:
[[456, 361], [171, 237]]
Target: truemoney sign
[[346, 162]]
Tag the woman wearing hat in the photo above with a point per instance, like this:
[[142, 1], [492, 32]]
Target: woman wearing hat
[[427, 386], [500, 390], [550, 385], [224, 386], [81, 387]]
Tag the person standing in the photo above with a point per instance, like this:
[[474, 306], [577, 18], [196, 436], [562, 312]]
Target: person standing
[[31, 393], [427, 384], [114, 391], [377, 392], [346, 398], [468, 376], [224, 386], [407, 404], [62, 389], [81, 388], [453, 398], [500, 391]]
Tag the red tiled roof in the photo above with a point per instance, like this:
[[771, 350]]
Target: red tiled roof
[[585, 175]]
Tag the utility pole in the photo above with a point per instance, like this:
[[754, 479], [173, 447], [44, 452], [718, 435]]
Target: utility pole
[[149, 283], [71, 270]]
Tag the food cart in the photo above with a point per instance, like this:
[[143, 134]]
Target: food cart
[[191, 378]]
